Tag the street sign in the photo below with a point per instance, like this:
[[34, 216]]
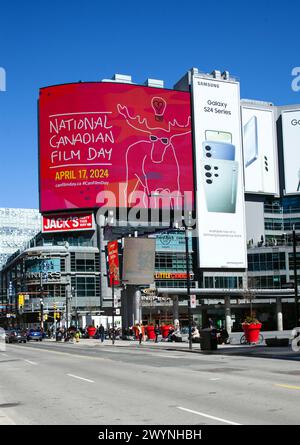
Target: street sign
[[193, 302]]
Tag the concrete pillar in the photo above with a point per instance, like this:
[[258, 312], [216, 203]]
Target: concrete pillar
[[175, 308], [228, 325], [127, 311], [137, 306], [279, 314]]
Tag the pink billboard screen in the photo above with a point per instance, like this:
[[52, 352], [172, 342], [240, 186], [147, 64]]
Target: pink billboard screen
[[104, 140]]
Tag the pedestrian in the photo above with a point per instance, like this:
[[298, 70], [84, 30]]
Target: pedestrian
[[211, 323], [77, 336], [101, 331], [140, 333], [156, 332]]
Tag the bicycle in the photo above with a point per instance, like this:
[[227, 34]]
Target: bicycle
[[260, 340]]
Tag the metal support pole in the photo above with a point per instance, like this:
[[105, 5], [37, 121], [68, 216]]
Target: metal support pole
[[42, 314], [113, 308], [188, 285], [295, 276]]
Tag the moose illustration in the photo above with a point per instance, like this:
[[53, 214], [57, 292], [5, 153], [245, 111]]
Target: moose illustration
[[152, 165]]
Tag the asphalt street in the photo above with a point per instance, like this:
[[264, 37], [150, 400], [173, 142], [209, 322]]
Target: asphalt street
[[71, 384]]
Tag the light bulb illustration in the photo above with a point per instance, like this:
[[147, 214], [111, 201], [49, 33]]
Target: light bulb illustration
[[159, 107]]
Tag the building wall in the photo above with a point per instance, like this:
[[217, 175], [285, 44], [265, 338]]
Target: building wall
[[17, 226]]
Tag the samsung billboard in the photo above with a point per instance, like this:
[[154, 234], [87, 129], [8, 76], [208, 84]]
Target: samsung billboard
[[260, 150], [219, 170], [99, 140], [291, 152]]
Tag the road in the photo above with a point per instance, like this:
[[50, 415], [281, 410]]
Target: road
[[68, 384]]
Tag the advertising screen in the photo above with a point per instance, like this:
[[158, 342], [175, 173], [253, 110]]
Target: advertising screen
[[139, 261], [101, 142], [220, 188], [291, 152], [260, 150]]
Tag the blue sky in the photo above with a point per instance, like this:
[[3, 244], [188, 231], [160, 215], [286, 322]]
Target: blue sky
[[49, 42]]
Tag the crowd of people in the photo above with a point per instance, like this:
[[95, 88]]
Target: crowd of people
[[138, 332]]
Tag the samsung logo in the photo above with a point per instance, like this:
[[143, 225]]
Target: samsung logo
[[208, 84]]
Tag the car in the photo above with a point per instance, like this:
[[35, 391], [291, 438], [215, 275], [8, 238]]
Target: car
[[34, 334], [15, 336]]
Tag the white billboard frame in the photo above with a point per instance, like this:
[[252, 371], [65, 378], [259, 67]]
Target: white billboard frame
[[265, 160], [220, 197], [285, 143]]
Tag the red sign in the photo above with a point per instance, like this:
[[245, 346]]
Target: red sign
[[101, 142], [113, 263], [68, 223]]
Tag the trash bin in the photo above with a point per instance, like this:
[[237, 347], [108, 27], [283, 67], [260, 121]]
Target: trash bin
[[208, 339]]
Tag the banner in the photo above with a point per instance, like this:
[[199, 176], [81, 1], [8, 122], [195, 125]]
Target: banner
[[260, 150], [113, 263], [102, 142], [219, 169]]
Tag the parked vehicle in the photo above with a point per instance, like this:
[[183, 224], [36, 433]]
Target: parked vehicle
[[34, 334], [15, 336]]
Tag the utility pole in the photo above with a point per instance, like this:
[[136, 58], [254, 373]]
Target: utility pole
[[41, 303], [295, 276], [188, 284], [113, 307]]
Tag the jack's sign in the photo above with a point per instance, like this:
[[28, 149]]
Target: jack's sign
[[68, 223]]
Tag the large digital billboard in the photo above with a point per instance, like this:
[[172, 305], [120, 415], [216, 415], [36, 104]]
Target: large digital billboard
[[260, 150], [219, 169], [291, 152], [103, 140]]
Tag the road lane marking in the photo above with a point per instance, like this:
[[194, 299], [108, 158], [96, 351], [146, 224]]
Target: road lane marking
[[69, 354], [288, 386], [208, 416], [80, 378], [30, 362]]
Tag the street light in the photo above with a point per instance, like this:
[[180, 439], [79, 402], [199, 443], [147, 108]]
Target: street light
[[187, 265], [295, 276]]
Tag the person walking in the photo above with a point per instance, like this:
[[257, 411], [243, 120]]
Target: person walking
[[156, 332], [101, 331], [140, 333]]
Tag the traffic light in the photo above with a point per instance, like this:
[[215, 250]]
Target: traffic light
[[21, 301]]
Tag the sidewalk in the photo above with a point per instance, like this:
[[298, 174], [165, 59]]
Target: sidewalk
[[261, 351]]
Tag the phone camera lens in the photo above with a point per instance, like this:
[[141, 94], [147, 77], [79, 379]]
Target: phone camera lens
[[208, 175], [216, 176], [208, 147], [216, 168], [207, 167], [209, 181], [208, 155]]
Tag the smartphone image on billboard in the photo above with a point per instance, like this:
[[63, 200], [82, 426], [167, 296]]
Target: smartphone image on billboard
[[221, 136], [220, 179], [250, 141], [218, 150]]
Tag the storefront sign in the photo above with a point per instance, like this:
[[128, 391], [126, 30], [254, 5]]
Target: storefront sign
[[68, 223], [172, 276]]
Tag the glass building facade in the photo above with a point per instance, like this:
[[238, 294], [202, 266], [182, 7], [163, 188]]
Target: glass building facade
[[17, 227]]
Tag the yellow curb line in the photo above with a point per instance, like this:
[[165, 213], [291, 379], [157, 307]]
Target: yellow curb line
[[289, 386]]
